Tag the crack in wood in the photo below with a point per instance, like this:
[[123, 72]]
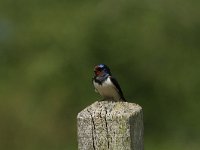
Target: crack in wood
[[93, 130], [107, 128], [106, 123]]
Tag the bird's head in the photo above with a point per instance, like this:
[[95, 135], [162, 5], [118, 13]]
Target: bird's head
[[101, 70]]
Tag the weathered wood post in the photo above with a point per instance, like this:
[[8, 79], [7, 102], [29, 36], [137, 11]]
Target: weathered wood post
[[109, 125]]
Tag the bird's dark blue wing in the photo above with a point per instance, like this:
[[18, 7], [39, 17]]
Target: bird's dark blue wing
[[114, 81]]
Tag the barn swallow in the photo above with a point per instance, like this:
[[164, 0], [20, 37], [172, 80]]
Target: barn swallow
[[106, 85]]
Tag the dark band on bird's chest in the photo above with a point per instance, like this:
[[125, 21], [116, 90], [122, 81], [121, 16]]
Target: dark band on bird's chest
[[100, 82]]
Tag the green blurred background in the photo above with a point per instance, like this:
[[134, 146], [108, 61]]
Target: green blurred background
[[48, 50]]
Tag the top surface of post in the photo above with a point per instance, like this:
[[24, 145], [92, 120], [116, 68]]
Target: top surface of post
[[111, 108]]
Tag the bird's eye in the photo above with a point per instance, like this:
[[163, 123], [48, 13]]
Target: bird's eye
[[98, 69]]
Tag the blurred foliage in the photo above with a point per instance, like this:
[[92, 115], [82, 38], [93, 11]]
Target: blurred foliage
[[48, 50]]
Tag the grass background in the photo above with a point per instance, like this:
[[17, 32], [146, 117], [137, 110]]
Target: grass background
[[48, 50]]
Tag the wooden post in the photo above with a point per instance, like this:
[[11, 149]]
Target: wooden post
[[109, 125]]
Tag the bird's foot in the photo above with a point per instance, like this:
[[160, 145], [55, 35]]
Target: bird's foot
[[107, 99]]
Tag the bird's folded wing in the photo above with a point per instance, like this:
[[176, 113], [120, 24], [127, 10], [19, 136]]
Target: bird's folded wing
[[114, 81]]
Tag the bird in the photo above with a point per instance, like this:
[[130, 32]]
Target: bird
[[105, 84]]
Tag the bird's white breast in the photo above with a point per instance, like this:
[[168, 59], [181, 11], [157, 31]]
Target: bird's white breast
[[107, 89]]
